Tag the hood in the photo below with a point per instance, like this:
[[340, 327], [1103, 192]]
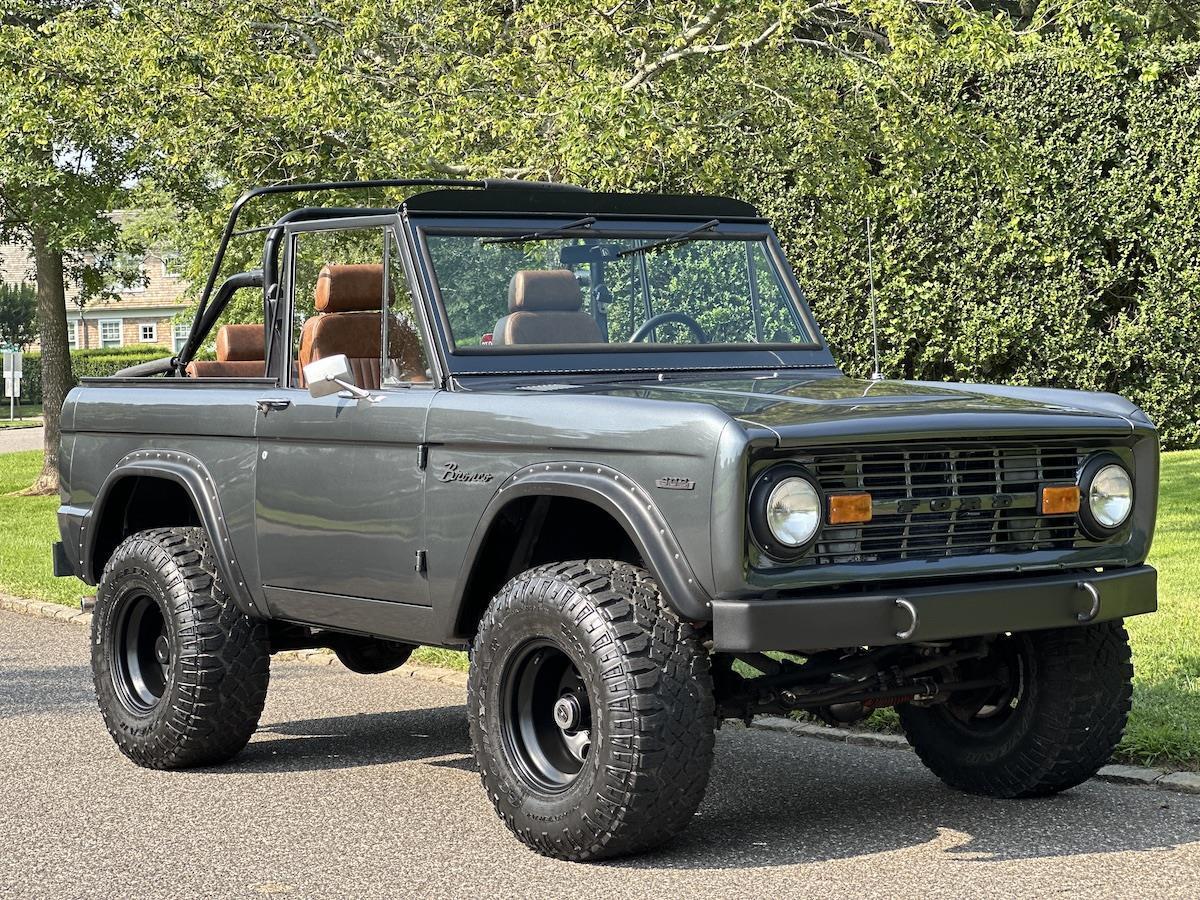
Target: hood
[[798, 407]]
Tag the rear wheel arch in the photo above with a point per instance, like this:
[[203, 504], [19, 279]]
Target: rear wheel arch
[[523, 527], [160, 488]]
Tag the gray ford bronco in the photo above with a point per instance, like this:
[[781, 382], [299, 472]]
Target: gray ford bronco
[[598, 441]]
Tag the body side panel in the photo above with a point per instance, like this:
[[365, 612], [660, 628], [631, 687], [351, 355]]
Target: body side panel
[[478, 441], [210, 430]]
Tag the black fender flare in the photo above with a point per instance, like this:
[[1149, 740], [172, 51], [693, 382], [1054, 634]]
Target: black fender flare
[[627, 502], [192, 475]]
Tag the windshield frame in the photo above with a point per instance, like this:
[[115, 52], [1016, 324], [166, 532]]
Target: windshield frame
[[585, 359]]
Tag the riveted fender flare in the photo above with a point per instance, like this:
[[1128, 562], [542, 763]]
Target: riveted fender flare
[[192, 475], [627, 502]]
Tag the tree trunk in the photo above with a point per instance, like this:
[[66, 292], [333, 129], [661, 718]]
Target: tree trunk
[[57, 377]]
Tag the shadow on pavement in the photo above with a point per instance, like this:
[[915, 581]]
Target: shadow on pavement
[[366, 739], [780, 800], [803, 804], [29, 691]]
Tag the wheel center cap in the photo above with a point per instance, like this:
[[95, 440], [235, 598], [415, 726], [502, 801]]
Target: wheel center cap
[[567, 712], [162, 650]]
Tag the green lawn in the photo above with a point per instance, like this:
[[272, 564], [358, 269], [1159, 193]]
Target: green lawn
[[27, 529], [1164, 728], [25, 415]]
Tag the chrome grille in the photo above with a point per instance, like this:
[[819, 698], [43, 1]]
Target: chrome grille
[[932, 500]]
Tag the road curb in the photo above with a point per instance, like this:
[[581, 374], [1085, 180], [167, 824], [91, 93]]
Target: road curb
[[1181, 782], [45, 610]]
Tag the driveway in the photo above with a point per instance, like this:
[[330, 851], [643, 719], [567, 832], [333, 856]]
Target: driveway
[[14, 439], [364, 786]]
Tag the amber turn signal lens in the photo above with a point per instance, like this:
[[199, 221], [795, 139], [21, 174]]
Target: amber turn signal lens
[[845, 509], [1057, 501]]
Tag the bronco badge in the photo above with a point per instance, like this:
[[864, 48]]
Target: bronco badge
[[451, 472]]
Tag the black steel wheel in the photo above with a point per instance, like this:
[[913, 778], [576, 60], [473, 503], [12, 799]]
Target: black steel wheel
[[546, 720], [1053, 719], [180, 672], [591, 711], [141, 650]]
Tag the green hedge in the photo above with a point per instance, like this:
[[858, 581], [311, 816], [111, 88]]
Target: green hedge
[[1079, 266], [86, 364]]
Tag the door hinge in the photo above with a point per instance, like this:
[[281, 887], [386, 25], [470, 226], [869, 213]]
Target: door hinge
[[422, 456], [419, 565]]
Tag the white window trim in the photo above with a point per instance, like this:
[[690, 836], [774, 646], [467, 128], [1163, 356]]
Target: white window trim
[[179, 334], [153, 326], [120, 323], [73, 334]]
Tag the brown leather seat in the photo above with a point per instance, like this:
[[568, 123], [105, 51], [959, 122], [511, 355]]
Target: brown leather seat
[[241, 351], [348, 321], [544, 308]]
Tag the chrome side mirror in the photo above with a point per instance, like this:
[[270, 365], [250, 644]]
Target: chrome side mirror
[[331, 375]]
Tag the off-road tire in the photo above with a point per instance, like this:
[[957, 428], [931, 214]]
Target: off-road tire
[[215, 682], [650, 689], [1077, 698]]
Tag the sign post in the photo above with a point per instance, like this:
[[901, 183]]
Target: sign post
[[12, 380]]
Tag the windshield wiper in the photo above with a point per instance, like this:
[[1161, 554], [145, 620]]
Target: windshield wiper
[[680, 238], [539, 235]]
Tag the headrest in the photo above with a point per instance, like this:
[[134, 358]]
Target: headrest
[[350, 288], [241, 343], [543, 289]]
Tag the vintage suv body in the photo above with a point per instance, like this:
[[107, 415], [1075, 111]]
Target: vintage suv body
[[598, 440]]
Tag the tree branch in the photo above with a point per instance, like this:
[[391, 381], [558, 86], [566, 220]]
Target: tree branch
[[450, 169], [706, 24], [648, 71]]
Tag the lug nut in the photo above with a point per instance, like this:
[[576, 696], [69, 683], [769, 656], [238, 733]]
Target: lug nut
[[567, 713]]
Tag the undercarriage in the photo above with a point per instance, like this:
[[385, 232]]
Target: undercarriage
[[845, 686]]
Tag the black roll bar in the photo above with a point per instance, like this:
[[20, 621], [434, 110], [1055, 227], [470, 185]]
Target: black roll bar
[[194, 338]]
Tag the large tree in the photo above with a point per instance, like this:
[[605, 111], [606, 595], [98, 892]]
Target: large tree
[[63, 167], [832, 96]]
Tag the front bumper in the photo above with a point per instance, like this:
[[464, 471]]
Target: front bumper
[[933, 613]]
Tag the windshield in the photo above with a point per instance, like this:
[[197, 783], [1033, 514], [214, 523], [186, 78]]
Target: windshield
[[541, 290]]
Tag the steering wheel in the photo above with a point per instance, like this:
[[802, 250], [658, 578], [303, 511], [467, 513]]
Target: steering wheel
[[662, 319]]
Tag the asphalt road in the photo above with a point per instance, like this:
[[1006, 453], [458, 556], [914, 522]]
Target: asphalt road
[[362, 787], [13, 439]]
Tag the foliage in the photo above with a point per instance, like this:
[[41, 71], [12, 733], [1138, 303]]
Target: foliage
[[65, 157], [1087, 275], [18, 315], [1029, 164]]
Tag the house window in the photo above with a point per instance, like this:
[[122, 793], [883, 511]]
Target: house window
[[73, 334], [170, 265], [148, 333], [110, 332], [180, 334], [129, 274]]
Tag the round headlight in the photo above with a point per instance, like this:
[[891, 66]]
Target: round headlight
[[794, 511], [1110, 496]]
